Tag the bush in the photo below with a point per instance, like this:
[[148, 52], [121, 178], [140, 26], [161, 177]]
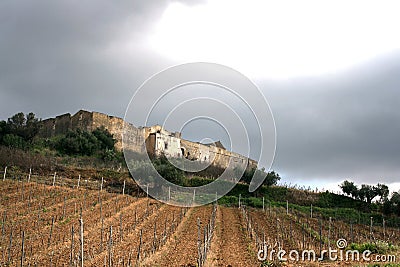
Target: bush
[[14, 141], [84, 143], [379, 247]]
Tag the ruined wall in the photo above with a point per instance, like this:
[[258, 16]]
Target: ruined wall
[[157, 140], [168, 145], [134, 138], [82, 120], [216, 155], [47, 128], [62, 124], [196, 151]]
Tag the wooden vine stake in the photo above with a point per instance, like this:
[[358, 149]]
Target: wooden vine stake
[[54, 178], [71, 255], [79, 180], [287, 207], [23, 248], [199, 262], [5, 172], [110, 244], [81, 239], [9, 248], [101, 189], [51, 232], [329, 233], [29, 176], [263, 205], [63, 215], [370, 228], [139, 248]]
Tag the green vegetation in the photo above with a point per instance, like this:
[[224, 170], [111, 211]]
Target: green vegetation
[[19, 130], [366, 192], [84, 143], [378, 247]]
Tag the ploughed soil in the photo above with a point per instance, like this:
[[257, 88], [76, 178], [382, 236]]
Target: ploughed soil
[[231, 245], [181, 248]]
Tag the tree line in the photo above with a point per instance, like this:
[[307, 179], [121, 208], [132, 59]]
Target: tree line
[[21, 131], [390, 204]]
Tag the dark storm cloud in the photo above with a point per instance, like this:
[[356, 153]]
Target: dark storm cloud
[[61, 56], [66, 55], [339, 126]]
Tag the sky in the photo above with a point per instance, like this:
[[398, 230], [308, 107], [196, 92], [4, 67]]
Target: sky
[[329, 71]]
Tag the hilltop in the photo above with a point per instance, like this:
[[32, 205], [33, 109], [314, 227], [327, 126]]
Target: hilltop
[[75, 146]]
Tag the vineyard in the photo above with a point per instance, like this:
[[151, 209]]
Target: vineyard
[[77, 223]]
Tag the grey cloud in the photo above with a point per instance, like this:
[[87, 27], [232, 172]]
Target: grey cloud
[[345, 125], [55, 56], [62, 56]]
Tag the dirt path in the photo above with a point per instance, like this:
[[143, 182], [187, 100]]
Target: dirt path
[[230, 246], [181, 249]]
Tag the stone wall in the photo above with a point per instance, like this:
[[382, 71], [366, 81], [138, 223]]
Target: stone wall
[[157, 140], [63, 124], [82, 120]]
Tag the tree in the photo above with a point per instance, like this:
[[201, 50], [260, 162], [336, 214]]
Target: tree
[[14, 141], [246, 176], [106, 139], [168, 171], [392, 205], [367, 193], [271, 178], [31, 128], [80, 142], [349, 188], [382, 191], [17, 121], [19, 130]]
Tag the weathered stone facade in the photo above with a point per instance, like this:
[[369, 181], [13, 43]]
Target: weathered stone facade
[[155, 139]]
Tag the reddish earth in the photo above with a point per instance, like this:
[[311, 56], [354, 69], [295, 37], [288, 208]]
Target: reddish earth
[[181, 249], [169, 234], [231, 247]]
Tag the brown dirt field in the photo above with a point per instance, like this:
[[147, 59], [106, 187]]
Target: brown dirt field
[[181, 249], [126, 252], [60, 253], [231, 246]]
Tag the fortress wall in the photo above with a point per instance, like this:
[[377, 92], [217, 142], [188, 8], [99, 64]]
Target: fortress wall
[[192, 150], [113, 124], [134, 138], [169, 143], [62, 124], [252, 164], [47, 128], [222, 156], [82, 120]]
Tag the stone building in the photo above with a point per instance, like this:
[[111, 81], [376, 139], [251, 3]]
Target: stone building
[[155, 139]]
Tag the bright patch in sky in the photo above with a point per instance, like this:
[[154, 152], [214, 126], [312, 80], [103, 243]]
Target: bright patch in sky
[[279, 39]]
